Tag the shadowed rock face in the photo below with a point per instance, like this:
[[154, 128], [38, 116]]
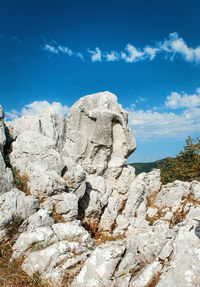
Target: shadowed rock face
[[98, 135]]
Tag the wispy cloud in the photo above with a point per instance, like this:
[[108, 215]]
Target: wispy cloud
[[35, 108], [175, 45], [177, 100], [151, 124], [172, 47], [96, 55], [58, 49]]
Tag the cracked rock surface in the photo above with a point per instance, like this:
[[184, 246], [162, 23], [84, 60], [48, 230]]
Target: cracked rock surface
[[88, 220]]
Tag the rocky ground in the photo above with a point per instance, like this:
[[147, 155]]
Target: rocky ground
[[79, 217]]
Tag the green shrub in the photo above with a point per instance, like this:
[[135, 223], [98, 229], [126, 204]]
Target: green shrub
[[186, 165]]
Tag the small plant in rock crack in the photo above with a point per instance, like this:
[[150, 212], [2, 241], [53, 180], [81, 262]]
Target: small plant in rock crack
[[21, 181], [12, 227]]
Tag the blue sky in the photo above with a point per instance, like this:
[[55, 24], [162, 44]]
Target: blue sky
[[147, 52]]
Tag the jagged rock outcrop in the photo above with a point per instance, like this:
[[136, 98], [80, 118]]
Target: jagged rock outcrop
[[98, 135], [6, 177], [90, 221]]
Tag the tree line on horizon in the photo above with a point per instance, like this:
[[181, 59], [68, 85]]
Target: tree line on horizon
[[185, 166]]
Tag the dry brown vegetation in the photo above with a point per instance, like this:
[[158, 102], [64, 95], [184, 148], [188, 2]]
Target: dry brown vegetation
[[21, 181], [178, 215], [57, 217], [11, 273]]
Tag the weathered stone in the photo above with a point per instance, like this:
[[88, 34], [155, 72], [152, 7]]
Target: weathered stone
[[45, 260], [98, 135], [18, 203], [39, 219], [32, 240], [6, 177], [74, 176], [76, 167], [15, 204], [95, 198], [101, 265], [47, 123], [43, 182], [72, 231], [182, 269], [65, 204], [166, 198], [35, 155]]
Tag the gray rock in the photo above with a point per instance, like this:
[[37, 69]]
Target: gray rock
[[18, 203], [6, 177], [45, 260], [100, 267], [39, 219], [65, 204], [72, 231], [91, 117], [182, 269], [15, 204], [37, 238], [95, 198], [35, 155], [47, 123]]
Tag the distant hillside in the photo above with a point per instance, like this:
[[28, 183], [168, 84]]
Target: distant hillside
[[146, 166]]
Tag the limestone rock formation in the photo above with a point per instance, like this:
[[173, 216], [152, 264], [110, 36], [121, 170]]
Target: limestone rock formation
[[6, 177], [98, 135], [90, 221]]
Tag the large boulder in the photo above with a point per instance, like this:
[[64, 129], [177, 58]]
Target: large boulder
[[98, 135], [35, 151], [36, 156], [15, 204], [46, 122]]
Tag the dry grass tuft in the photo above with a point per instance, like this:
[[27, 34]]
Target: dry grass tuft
[[57, 217], [21, 181], [154, 279], [11, 273], [178, 215], [136, 270], [69, 276]]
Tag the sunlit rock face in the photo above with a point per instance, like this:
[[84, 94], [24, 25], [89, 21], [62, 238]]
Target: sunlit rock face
[[90, 221], [98, 135]]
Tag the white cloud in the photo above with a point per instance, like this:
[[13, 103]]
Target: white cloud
[[50, 48], [58, 49], [132, 54], [150, 52], [35, 108], [96, 55], [169, 48], [176, 100], [151, 124], [65, 50], [13, 114], [176, 45], [112, 56]]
